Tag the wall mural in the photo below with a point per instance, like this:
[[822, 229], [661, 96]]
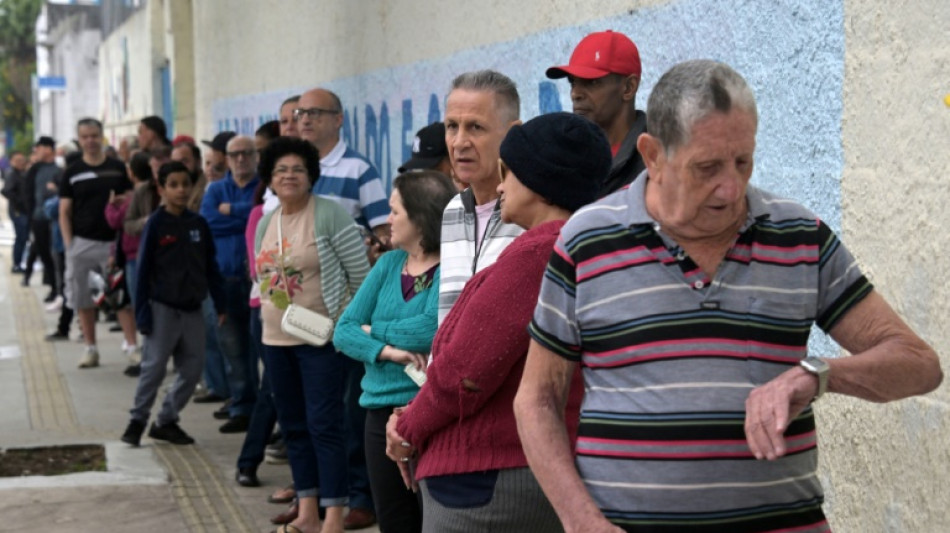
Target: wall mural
[[790, 51]]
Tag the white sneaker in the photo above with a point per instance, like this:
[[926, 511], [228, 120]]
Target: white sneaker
[[134, 353], [90, 358], [55, 305]]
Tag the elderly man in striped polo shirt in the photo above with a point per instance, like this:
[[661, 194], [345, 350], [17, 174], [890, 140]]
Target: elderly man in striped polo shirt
[[688, 299]]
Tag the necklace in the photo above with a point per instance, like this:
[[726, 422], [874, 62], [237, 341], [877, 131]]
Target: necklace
[[421, 281]]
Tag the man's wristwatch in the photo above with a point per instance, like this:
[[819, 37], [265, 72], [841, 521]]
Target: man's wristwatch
[[820, 369]]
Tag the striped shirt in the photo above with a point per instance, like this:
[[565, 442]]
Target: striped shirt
[[352, 181], [669, 357], [461, 255]]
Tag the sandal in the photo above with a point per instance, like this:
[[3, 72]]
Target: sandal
[[284, 495], [288, 528]]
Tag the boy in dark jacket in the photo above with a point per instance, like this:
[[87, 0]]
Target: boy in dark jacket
[[176, 271]]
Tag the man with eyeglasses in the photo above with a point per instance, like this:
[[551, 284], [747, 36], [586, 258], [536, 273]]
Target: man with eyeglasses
[[345, 176], [604, 73], [226, 206], [352, 181], [216, 164]]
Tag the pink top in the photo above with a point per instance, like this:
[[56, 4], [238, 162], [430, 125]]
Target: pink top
[[257, 212], [483, 212], [115, 217]]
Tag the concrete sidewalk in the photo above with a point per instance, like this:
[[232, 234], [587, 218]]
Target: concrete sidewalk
[[48, 401]]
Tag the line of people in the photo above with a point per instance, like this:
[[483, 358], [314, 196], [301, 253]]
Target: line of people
[[589, 321]]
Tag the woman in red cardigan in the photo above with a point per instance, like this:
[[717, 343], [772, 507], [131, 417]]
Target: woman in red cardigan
[[459, 433]]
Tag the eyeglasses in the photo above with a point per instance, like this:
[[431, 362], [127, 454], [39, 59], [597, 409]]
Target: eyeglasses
[[238, 153], [314, 112], [502, 170], [296, 169]]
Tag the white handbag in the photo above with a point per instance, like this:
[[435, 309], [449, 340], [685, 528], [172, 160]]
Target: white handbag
[[308, 326], [298, 321]]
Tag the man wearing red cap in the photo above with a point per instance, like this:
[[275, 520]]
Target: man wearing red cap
[[604, 73]]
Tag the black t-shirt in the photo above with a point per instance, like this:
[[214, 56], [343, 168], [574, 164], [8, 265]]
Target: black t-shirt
[[89, 189]]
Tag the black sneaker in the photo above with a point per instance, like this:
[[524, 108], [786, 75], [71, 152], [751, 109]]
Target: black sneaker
[[237, 424], [133, 371], [223, 412], [171, 433], [133, 432], [208, 397], [50, 297], [57, 336], [247, 477]]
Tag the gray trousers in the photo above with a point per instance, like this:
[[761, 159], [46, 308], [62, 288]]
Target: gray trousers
[[515, 505], [180, 335]]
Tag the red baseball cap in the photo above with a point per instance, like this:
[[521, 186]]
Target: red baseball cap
[[599, 54], [183, 139]]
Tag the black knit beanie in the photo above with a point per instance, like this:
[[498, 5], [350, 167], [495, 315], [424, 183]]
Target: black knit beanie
[[563, 157]]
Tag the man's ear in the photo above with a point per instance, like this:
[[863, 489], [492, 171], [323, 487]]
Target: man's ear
[[630, 85], [651, 151]]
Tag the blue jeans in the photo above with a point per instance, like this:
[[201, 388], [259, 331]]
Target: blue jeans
[[215, 371], [308, 392], [130, 279], [235, 343], [21, 230], [264, 416], [360, 494]]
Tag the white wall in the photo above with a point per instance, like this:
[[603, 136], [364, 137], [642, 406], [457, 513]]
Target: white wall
[[127, 75]]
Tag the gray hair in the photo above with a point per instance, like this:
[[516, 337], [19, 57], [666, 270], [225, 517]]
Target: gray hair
[[688, 93], [506, 92], [292, 100]]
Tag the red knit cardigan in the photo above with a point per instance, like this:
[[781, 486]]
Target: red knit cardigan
[[484, 340]]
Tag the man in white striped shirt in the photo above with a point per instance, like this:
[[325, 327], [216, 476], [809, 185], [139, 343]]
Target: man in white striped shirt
[[482, 106]]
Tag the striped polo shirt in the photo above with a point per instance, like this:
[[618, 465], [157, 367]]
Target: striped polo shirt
[[352, 181], [669, 357]]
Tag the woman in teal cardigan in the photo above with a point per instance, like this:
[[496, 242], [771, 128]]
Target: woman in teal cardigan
[[390, 324]]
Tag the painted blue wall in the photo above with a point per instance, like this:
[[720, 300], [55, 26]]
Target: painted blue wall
[[791, 52]]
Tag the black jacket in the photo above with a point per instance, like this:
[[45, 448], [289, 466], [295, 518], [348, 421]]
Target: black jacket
[[176, 266], [36, 190], [13, 191], [627, 164]]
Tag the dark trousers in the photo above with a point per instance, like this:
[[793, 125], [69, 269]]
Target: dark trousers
[[398, 509], [360, 494], [42, 248], [235, 343], [308, 393], [215, 372], [59, 259], [21, 231], [264, 415], [65, 319]]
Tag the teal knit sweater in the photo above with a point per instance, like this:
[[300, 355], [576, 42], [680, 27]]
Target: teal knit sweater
[[406, 325]]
